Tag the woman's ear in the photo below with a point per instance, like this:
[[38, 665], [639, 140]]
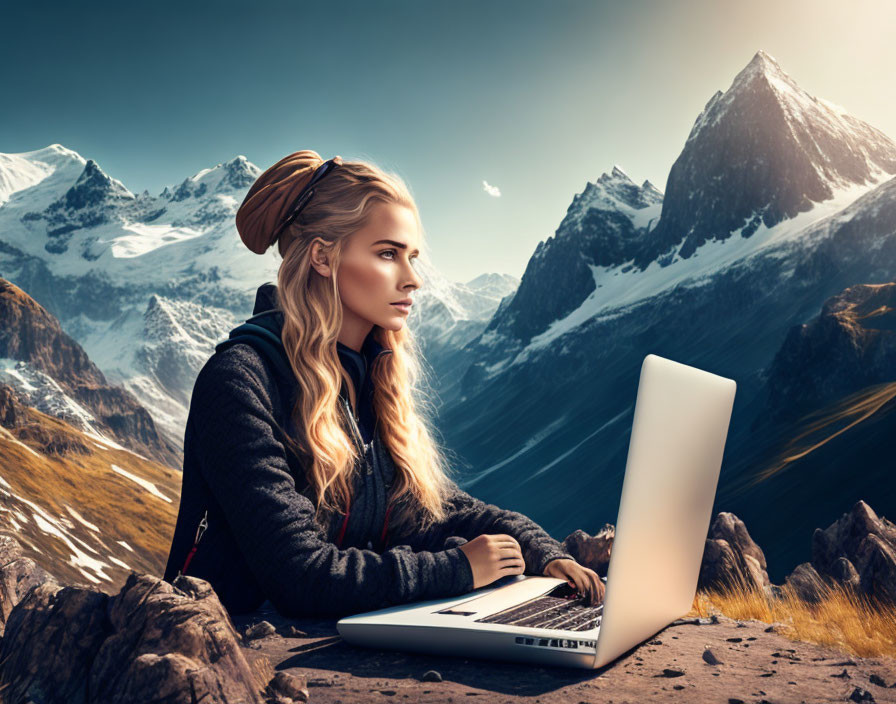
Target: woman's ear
[[319, 259]]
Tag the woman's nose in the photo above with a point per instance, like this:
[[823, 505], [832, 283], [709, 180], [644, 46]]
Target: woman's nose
[[415, 279]]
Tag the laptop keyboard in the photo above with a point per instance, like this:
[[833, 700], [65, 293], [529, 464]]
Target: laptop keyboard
[[561, 609]]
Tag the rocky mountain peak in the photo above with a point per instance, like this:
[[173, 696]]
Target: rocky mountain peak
[[760, 153], [762, 65], [849, 346], [95, 187], [232, 177], [605, 225]]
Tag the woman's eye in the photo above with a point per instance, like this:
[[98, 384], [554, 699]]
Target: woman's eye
[[413, 260]]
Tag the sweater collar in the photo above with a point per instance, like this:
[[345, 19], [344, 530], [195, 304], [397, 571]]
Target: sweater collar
[[356, 364]]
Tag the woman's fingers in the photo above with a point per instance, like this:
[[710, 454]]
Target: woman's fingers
[[515, 567], [508, 553]]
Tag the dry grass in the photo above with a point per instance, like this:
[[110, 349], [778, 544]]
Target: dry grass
[[842, 619], [262, 671]]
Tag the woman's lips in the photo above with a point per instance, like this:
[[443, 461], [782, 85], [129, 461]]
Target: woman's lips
[[406, 307]]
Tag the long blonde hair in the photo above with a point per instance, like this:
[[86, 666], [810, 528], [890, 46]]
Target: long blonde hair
[[312, 313]]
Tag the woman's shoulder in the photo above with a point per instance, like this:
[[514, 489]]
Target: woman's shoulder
[[238, 367]]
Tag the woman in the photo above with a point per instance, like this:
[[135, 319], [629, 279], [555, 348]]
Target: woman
[[311, 477]]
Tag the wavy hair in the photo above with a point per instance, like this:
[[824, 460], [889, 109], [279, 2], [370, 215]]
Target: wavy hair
[[312, 313]]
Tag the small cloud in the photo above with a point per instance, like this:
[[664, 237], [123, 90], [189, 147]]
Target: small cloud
[[493, 191]]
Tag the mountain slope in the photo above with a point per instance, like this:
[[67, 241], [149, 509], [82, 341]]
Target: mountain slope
[[542, 423], [56, 376]]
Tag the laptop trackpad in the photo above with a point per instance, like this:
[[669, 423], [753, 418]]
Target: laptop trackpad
[[502, 597]]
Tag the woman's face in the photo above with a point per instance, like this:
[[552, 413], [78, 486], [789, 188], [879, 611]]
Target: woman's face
[[376, 271]]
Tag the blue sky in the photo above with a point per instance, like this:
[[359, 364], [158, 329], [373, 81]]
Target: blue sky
[[535, 99]]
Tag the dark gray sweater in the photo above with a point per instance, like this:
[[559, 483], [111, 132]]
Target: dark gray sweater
[[262, 541]]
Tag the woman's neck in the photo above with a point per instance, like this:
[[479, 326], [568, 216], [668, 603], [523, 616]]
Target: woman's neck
[[354, 331]]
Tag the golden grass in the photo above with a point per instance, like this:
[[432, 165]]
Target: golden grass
[[842, 619], [121, 509], [262, 671]]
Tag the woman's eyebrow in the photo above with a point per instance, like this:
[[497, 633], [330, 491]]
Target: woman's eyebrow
[[396, 244]]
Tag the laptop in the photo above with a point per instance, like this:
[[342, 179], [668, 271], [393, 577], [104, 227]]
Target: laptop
[[674, 458]]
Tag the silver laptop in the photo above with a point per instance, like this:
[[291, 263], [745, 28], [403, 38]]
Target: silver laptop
[[674, 458]]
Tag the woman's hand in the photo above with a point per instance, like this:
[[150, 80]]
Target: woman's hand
[[493, 557], [584, 580]]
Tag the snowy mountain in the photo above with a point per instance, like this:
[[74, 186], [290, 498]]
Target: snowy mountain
[[544, 410], [149, 284], [604, 226], [447, 315], [51, 373], [760, 153]]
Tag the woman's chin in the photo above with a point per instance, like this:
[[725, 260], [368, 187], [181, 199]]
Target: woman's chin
[[394, 324]]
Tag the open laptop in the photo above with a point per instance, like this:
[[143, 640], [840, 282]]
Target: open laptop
[[674, 458]]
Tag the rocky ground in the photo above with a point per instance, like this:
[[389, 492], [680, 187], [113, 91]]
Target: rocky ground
[[155, 641], [692, 660]]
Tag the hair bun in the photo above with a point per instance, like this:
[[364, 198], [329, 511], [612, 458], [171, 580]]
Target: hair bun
[[269, 198]]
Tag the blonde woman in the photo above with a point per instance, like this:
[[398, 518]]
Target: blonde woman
[[311, 476]]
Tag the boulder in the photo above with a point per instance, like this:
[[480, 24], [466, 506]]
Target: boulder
[[731, 557], [806, 582], [18, 574], [153, 641], [592, 551], [857, 551]]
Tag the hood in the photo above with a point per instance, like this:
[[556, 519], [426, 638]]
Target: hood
[[265, 298], [264, 329]]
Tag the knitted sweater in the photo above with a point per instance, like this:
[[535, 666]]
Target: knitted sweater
[[262, 541]]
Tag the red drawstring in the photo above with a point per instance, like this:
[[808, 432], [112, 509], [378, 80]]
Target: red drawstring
[[203, 524], [385, 526], [189, 557], [345, 525]]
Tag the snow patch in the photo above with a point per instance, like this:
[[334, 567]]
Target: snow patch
[[149, 486], [78, 517], [619, 287]]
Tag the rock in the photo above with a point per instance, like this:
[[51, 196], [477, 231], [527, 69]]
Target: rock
[[700, 621], [432, 676], [18, 575], [61, 643], [773, 592], [876, 560], [671, 672], [861, 695], [291, 632], [857, 551], [710, 657], [731, 557], [289, 687], [845, 573], [592, 551], [262, 629], [807, 583], [877, 679], [843, 674]]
